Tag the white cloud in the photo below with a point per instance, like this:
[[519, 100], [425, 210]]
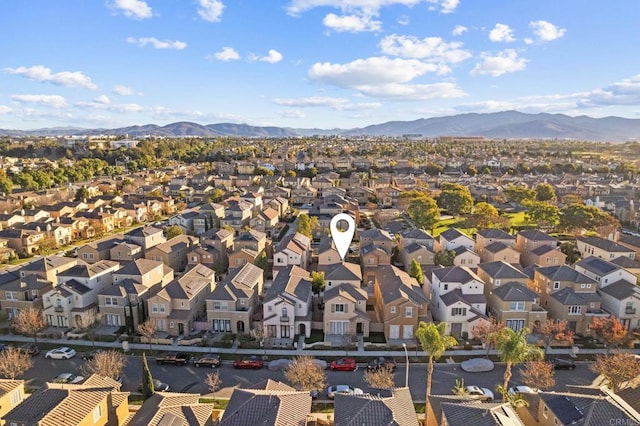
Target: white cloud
[[486, 106], [339, 104], [403, 20], [227, 54], [546, 31], [5, 109], [503, 62], [107, 106], [43, 74], [296, 7], [413, 92], [137, 9], [626, 92], [351, 23], [102, 99], [429, 48], [124, 90], [53, 101], [273, 56], [459, 30], [157, 44], [292, 113], [210, 10], [501, 33]]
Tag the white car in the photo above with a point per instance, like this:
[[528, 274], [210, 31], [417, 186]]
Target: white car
[[61, 353], [520, 389], [67, 378], [482, 394], [343, 389]]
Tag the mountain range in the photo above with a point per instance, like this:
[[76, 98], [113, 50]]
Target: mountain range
[[499, 125]]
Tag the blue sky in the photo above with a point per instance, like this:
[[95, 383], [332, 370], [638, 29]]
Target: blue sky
[[312, 63]]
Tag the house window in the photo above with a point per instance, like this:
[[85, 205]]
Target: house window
[[270, 308], [272, 331], [497, 282], [16, 398], [162, 307], [97, 413], [583, 285], [339, 307], [458, 312], [393, 309], [408, 312], [154, 307], [573, 310], [285, 331], [556, 285], [171, 324], [11, 295], [516, 306], [446, 286]]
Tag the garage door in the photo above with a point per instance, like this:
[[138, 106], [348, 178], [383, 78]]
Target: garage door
[[394, 332], [407, 332]]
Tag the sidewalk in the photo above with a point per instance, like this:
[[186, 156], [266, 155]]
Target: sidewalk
[[360, 352]]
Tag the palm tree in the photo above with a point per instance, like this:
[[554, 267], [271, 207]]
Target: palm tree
[[516, 400], [513, 348], [434, 342]]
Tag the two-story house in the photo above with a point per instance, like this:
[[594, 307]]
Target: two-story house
[[379, 238], [237, 214], [603, 248], [622, 300], [537, 247], [400, 303], [457, 299], [75, 299], [485, 237], [173, 252], [453, 238], [345, 311], [287, 304], [11, 394], [145, 237], [96, 251], [232, 304], [181, 302], [294, 249], [19, 293], [498, 250], [342, 273]]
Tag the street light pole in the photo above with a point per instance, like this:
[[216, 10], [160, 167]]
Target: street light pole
[[406, 356]]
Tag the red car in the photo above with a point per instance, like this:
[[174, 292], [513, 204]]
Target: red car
[[343, 364], [252, 362]]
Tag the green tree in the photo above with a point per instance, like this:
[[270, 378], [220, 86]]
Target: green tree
[[516, 400], [416, 271], [318, 282], [545, 192], [455, 198], [434, 342], [570, 249], [486, 216], [173, 231], [147, 380], [518, 194], [513, 349], [543, 213], [307, 224], [424, 212], [578, 217], [6, 185], [444, 257], [262, 262]]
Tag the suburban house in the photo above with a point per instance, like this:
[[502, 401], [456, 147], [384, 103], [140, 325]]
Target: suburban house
[[23, 241], [232, 304], [145, 237], [568, 295], [173, 252], [74, 301], [181, 302], [345, 311], [287, 304], [457, 298], [462, 256], [342, 273], [48, 268], [237, 214], [630, 241], [327, 253], [516, 306], [19, 293], [452, 238], [124, 303], [382, 407], [603, 248], [534, 245], [372, 257], [400, 303], [96, 251], [379, 238], [497, 250], [603, 271], [184, 220], [294, 249], [252, 239], [416, 244], [11, 394], [98, 401], [622, 300], [265, 221], [125, 252], [173, 408], [485, 237]]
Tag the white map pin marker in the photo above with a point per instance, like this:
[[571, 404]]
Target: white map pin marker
[[342, 238]]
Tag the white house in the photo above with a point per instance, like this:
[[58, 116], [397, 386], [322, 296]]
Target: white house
[[452, 239], [622, 300], [294, 249], [603, 271], [287, 304]]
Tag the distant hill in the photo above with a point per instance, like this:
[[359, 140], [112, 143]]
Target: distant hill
[[507, 124]]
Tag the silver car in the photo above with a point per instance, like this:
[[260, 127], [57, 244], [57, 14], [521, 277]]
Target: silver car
[[343, 389]]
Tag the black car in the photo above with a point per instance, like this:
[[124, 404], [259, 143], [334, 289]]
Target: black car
[[88, 356], [29, 348], [210, 360], [382, 362], [563, 364]]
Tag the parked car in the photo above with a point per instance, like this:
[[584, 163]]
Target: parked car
[[343, 364], [253, 362], [563, 364], [29, 348], [520, 389], [177, 358], [343, 389], [67, 378], [61, 353], [212, 361], [483, 394], [382, 362], [88, 356], [158, 386]]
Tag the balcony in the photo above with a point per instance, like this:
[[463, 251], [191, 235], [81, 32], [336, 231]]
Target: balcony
[[58, 309], [630, 311], [284, 318]]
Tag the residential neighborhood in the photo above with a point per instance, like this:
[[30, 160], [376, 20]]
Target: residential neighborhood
[[229, 254]]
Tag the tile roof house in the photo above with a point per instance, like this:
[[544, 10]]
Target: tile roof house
[[342, 273], [452, 238], [99, 250], [457, 298], [622, 300], [294, 249], [287, 304], [284, 406], [392, 407], [530, 242], [173, 252], [484, 237], [603, 248], [11, 394], [345, 311], [174, 409], [18, 293], [232, 304], [499, 251]]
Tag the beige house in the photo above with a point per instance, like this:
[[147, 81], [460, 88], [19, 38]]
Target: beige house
[[18, 293], [47, 268], [373, 257], [231, 306], [239, 258], [345, 311], [603, 248], [11, 394], [327, 253], [294, 249], [145, 237], [379, 238], [96, 251], [497, 250], [342, 273], [287, 305], [24, 241], [516, 306], [125, 252], [252, 239], [399, 303], [485, 237], [174, 252], [175, 307], [535, 246]]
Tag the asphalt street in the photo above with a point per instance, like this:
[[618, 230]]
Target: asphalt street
[[191, 379]]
